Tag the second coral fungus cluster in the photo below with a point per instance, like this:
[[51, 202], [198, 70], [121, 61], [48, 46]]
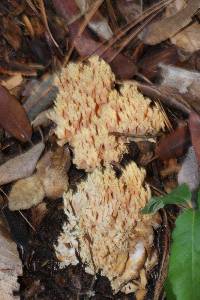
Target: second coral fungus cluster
[[107, 230], [88, 108]]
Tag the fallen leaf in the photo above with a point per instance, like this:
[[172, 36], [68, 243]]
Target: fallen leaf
[[10, 268], [68, 10], [183, 282], [189, 172], [169, 96], [194, 125], [184, 85], [165, 28], [25, 193], [175, 6], [52, 172], [188, 39], [13, 117], [50, 180], [174, 144], [40, 95], [178, 196], [99, 25], [20, 166], [185, 81], [129, 9], [148, 65]]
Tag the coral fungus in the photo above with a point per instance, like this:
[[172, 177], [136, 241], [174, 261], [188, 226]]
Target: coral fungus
[[106, 229], [88, 108]]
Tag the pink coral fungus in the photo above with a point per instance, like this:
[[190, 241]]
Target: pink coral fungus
[[107, 231], [88, 108]]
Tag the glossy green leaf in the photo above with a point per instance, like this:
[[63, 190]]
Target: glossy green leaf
[[183, 282], [179, 195]]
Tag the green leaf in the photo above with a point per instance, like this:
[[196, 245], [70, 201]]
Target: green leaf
[[179, 195], [183, 282]]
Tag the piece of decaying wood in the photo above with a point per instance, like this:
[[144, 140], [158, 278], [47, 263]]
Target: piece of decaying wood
[[13, 117], [167, 27], [21, 166]]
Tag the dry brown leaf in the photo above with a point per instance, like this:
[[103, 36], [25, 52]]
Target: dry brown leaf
[[168, 96], [21, 166], [165, 28], [100, 26], [174, 144], [174, 7], [50, 180], [150, 61], [188, 39], [52, 172], [98, 23], [130, 9], [25, 193], [13, 117], [10, 268]]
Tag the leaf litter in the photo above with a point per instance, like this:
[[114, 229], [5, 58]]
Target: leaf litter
[[47, 36]]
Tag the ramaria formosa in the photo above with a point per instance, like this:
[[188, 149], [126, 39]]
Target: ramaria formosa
[[88, 108], [107, 231]]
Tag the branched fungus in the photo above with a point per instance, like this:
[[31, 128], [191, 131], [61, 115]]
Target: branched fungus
[[88, 108], [106, 229]]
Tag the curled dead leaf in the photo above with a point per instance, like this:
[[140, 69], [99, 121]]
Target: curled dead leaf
[[13, 117]]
